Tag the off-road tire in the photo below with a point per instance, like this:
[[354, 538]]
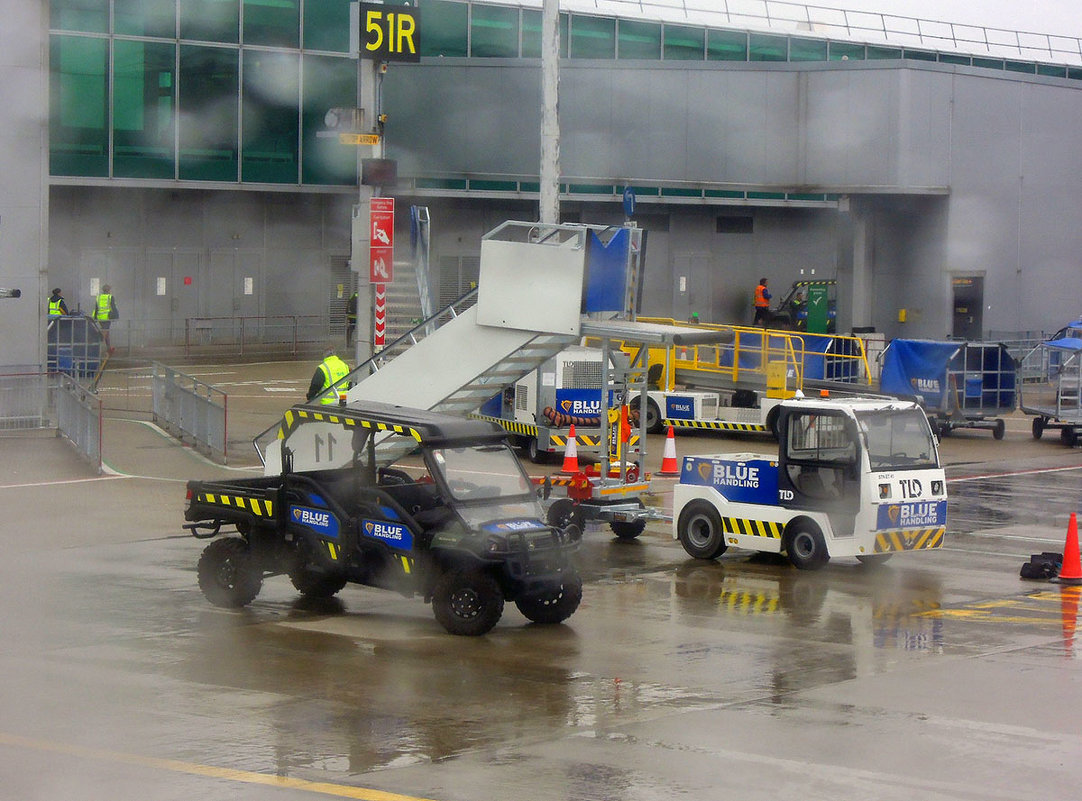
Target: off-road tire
[[805, 546], [553, 605], [227, 575], [467, 602], [316, 583], [700, 531]]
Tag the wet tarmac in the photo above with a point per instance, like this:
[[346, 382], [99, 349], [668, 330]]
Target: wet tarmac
[[937, 676]]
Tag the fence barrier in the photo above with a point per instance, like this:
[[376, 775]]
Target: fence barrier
[[26, 401], [79, 418], [185, 406]]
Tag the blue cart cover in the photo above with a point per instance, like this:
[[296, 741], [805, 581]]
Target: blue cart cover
[[950, 376], [917, 369]]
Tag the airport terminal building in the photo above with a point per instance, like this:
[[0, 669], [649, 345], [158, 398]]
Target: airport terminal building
[[172, 149]]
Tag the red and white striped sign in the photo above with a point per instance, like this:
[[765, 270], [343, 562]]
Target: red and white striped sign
[[380, 317], [381, 245]]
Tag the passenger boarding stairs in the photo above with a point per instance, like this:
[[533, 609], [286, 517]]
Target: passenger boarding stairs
[[529, 306]]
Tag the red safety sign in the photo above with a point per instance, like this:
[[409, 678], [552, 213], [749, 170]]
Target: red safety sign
[[381, 247], [380, 317]]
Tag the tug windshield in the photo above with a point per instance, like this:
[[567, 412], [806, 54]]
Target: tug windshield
[[898, 439]]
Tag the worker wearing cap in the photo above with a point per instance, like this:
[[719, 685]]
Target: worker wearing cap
[[329, 372], [57, 306]]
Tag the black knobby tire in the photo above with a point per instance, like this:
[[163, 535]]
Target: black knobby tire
[[805, 546], [227, 575], [563, 513], [1038, 427], [1000, 430], [700, 530], [316, 583], [554, 605], [467, 602], [627, 529], [873, 559]]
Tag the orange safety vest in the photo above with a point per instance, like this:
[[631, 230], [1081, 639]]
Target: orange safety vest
[[760, 297]]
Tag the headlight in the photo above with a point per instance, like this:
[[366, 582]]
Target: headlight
[[884, 491], [937, 487], [496, 545]]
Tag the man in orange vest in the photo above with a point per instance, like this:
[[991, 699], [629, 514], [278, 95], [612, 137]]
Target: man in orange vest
[[762, 304]]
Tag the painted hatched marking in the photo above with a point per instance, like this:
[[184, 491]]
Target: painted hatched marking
[[714, 425], [753, 528]]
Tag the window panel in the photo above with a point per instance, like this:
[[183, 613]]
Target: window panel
[[271, 102], [328, 83], [210, 20], [764, 47], [726, 46], [684, 43], [593, 37], [531, 34], [326, 25], [446, 28], [876, 52], [144, 89], [145, 18], [207, 101], [91, 16], [494, 32], [78, 135], [272, 22], [846, 51], [639, 39], [807, 49]]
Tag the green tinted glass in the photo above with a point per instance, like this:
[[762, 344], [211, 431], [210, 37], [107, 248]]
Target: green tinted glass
[[326, 25], [143, 103], [445, 28], [494, 32], [593, 37], [807, 49], [269, 145], [883, 53], [210, 20], [208, 120], [639, 39], [91, 16], [726, 46], [684, 43], [328, 83], [272, 22], [78, 139], [145, 17], [846, 51], [764, 47]]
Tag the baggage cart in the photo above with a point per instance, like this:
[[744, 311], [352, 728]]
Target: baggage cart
[[958, 384], [1051, 395]]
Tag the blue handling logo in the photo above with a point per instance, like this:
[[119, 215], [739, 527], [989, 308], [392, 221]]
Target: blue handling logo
[[394, 534], [319, 520]]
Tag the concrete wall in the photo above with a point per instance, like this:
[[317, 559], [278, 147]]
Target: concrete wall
[[23, 198]]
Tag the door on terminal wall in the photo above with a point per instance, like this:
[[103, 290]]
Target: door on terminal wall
[[118, 267], [235, 283], [968, 307], [691, 289], [171, 294]]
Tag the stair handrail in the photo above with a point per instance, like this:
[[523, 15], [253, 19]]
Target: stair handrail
[[376, 361]]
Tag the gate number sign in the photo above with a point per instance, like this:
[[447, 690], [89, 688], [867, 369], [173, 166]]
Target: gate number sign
[[390, 33]]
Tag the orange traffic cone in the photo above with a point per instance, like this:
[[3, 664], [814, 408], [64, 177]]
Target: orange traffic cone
[[1071, 572], [669, 466], [571, 454]]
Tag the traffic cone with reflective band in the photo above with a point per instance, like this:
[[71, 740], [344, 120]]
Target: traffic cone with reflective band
[[571, 454], [669, 466], [1071, 572]]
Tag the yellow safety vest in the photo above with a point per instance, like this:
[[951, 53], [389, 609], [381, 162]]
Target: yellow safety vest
[[54, 307], [105, 304], [334, 370]]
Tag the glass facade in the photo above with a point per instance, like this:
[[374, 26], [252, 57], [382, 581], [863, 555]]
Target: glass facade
[[236, 90]]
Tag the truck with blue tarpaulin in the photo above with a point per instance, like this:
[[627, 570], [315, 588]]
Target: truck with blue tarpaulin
[[958, 384]]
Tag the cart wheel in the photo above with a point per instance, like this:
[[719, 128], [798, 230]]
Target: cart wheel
[[1068, 435], [1038, 427], [627, 529], [805, 546], [999, 430], [564, 513]]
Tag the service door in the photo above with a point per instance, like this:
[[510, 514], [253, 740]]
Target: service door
[[691, 293], [968, 306], [171, 293]]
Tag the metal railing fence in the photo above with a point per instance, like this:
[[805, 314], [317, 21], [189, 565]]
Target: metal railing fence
[[79, 418], [187, 407], [26, 401]]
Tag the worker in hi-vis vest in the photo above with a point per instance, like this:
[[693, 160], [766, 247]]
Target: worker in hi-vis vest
[[57, 306], [762, 304], [329, 372], [105, 312]]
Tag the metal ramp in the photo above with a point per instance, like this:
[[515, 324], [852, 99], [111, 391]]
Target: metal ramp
[[538, 285]]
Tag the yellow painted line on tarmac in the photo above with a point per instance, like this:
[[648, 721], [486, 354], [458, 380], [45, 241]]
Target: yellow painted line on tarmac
[[207, 771]]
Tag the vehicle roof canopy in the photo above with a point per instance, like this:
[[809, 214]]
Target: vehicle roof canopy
[[424, 426]]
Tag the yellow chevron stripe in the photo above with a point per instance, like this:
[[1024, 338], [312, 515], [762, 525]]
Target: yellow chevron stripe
[[333, 550], [714, 425], [753, 528], [912, 540], [750, 603], [406, 567]]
